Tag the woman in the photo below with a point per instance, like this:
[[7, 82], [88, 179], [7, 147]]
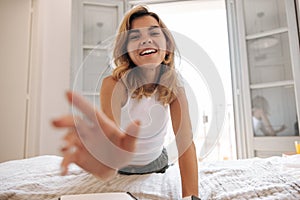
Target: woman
[[143, 91], [261, 123]]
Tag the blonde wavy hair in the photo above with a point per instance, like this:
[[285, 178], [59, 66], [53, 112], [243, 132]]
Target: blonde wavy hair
[[167, 83], [260, 102]]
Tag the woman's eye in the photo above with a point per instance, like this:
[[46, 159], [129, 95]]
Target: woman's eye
[[155, 33], [134, 37]]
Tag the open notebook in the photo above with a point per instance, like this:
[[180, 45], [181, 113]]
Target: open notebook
[[100, 196], [110, 196]]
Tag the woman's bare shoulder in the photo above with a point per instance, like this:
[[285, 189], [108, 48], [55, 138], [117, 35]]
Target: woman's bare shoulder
[[109, 80], [112, 86]]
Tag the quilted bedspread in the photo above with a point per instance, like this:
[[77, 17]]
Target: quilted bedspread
[[39, 178]]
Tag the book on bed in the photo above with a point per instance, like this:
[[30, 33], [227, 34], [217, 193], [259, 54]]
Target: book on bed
[[100, 196], [110, 196]]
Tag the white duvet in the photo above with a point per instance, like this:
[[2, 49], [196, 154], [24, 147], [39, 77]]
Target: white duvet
[[39, 178]]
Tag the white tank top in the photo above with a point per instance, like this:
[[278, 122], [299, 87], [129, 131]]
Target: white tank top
[[257, 124], [154, 117]]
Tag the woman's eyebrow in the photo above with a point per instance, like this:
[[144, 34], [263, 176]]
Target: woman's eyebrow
[[153, 27], [133, 31], [138, 30]]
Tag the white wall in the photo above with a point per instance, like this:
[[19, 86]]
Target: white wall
[[34, 75], [14, 65], [55, 46]]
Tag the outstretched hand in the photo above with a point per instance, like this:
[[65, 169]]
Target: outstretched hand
[[94, 142]]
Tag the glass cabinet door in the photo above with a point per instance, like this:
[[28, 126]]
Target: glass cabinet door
[[266, 75], [270, 70], [95, 23]]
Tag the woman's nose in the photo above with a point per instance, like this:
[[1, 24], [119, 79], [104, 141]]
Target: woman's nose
[[146, 41]]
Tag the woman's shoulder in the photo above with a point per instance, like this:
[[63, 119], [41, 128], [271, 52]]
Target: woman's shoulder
[[111, 85], [110, 82]]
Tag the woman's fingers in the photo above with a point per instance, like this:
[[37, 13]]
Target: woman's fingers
[[98, 118], [71, 148], [69, 157], [72, 139], [64, 121], [83, 105]]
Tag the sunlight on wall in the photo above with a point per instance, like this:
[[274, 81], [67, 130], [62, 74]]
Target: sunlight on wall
[[205, 23]]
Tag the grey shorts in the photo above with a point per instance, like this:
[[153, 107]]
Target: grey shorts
[[159, 165]]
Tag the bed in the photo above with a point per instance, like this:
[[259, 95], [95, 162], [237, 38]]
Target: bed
[[255, 178]]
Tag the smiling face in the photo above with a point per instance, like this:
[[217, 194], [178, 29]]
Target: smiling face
[[146, 45], [144, 42]]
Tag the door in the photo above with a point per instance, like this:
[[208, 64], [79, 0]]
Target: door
[[265, 45]]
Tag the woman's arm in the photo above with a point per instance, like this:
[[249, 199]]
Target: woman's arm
[[186, 148], [112, 98], [189, 172], [267, 128]]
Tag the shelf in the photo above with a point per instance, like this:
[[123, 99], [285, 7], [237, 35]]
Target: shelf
[[93, 47], [266, 33], [272, 84], [90, 94], [89, 3]]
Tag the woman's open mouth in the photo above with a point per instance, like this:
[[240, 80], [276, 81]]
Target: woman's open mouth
[[147, 52]]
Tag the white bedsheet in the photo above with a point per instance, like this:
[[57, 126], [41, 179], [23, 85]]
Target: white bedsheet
[[271, 178], [39, 178]]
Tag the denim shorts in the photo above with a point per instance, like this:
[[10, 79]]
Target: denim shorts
[[159, 165]]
